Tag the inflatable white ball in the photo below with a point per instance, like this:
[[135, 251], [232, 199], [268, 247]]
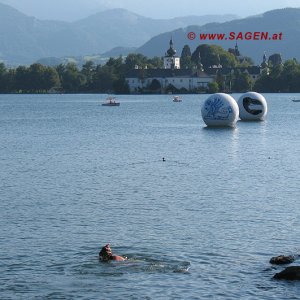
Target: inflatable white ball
[[252, 106], [220, 110]]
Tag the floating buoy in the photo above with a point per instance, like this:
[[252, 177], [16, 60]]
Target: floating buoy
[[220, 110], [252, 106]]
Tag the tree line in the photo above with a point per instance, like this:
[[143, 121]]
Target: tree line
[[110, 77], [69, 78], [284, 78]]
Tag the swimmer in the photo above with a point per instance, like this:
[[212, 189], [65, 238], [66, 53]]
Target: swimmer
[[106, 254]]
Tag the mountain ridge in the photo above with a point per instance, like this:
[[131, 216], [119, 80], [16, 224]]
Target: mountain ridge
[[289, 25], [25, 39]]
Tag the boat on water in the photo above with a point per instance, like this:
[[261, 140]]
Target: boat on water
[[296, 100], [177, 99], [111, 101]]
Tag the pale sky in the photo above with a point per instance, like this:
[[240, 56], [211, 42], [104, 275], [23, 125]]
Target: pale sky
[[70, 10]]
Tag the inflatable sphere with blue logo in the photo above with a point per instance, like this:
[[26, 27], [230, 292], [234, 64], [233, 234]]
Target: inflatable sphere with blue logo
[[220, 110]]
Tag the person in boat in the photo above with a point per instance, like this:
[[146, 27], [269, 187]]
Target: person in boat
[[106, 254]]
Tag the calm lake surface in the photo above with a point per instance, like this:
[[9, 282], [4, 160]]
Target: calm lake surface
[[75, 175]]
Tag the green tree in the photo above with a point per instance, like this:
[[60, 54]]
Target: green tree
[[120, 86], [71, 79], [290, 76], [263, 84], [3, 72], [9, 81], [22, 81], [50, 79], [155, 63], [275, 83], [186, 51], [187, 63], [242, 82], [132, 60], [275, 59], [186, 58], [116, 64], [35, 76], [210, 55], [88, 70], [212, 87], [104, 79], [227, 60]]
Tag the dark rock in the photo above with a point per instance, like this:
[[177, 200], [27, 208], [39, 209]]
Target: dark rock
[[282, 259], [289, 273]]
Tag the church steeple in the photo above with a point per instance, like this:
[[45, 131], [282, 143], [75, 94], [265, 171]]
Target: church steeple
[[236, 50], [264, 63], [171, 61], [171, 51]]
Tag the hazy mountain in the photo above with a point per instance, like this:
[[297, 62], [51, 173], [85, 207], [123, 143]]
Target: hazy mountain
[[119, 27], [117, 51], [63, 10], [286, 21], [25, 39]]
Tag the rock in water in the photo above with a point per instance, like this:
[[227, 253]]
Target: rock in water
[[282, 259], [290, 273]]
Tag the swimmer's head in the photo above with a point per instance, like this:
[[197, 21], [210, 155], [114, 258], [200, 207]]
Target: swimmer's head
[[105, 253]]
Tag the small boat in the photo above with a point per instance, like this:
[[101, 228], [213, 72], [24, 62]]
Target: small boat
[[176, 99], [111, 101], [296, 100]]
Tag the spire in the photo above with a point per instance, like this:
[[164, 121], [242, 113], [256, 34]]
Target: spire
[[264, 63], [171, 51], [171, 61], [265, 57], [236, 50], [199, 62]]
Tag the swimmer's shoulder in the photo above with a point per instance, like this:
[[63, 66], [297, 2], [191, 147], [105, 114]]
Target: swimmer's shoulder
[[119, 258]]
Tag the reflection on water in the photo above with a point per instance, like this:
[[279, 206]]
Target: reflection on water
[[203, 224], [143, 263]]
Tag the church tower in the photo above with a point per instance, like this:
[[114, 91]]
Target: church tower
[[264, 63], [171, 61], [236, 50]]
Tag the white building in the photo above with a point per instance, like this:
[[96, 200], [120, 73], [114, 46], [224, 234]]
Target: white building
[[171, 78], [164, 80], [171, 61]]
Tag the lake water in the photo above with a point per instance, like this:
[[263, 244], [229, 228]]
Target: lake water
[[202, 225]]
